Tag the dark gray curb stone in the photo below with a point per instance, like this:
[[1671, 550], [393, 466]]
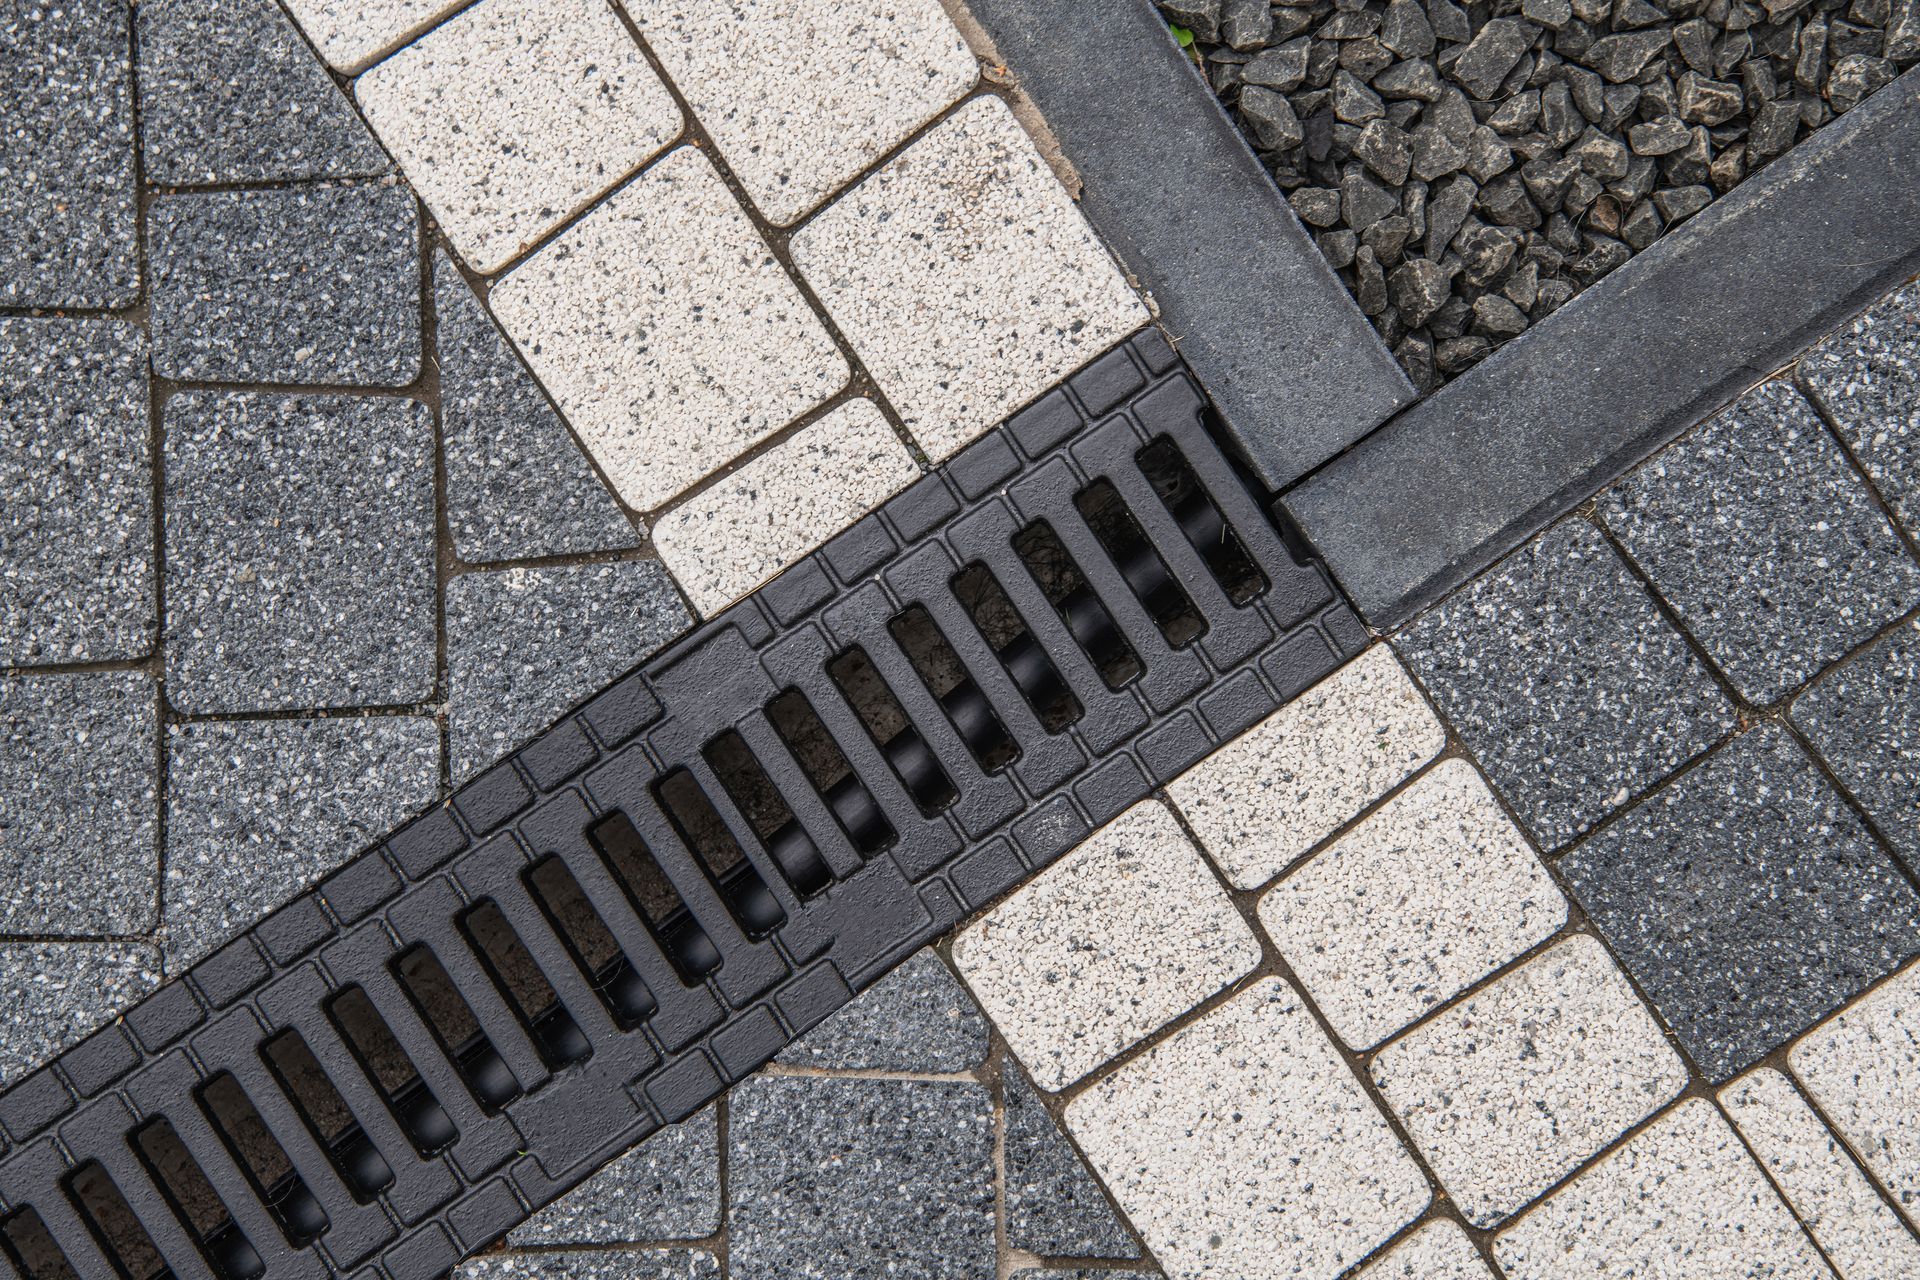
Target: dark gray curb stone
[[1467, 475], [1293, 366]]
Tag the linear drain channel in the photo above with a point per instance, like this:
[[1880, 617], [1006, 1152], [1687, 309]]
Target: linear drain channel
[[661, 891]]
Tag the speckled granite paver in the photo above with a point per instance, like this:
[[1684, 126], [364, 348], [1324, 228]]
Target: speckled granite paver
[[1747, 900], [624, 1264], [1437, 1251], [78, 841], [351, 33], [258, 810], [1864, 720], [917, 1018], [76, 511], [1764, 540], [1867, 376], [54, 993], [230, 93], [667, 1188], [1055, 1208], [303, 285], [328, 601]]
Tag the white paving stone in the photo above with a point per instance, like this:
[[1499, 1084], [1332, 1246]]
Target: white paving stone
[[1863, 1068], [1434, 891], [735, 535], [1118, 938], [1437, 1251], [667, 331], [1682, 1201], [352, 33], [801, 95], [1513, 1088], [1242, 1147], [1267, 797], [1862, 1237], [516, 115], [965, 278]]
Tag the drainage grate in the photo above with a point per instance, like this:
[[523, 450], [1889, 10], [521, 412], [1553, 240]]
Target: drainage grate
[[657, 894]]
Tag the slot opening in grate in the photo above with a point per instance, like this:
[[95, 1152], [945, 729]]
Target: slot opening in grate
[[954, 687], [1073, 597], [866, 691], [259, 1154], [518, 977], [380, 1056], [327, 1115], [1005, 632], [713, 846], [184, 1186], [445, 1011], [1193, 509], [808, 738], [766, 811], [31, 1247], [1145, 573], [654, 897], [114, 1226], [590, 943]]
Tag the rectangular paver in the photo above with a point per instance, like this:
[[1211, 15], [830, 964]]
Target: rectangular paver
[[54, 993], [731, 537], [1124, 934], [1428, 895], [514, 115], [667, 1188], [1517, 1085], [1262, 801], [918, 1018], [1243, 1148], [964, 277], [352, 33], [625, 1264], [1864, 720], [667, 332], [1867, 375], [1438, 1251]]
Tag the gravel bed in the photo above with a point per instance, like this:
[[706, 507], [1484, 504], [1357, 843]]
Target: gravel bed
[[1467, 170]]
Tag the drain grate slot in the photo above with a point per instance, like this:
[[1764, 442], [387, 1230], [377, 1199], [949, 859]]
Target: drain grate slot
[[517, 977], [1140, 564], [717, 850], [1068, 591], [1200, 520], [275, 1180], [31, 1247], [654, 896], [193, 1200], [812, 746], [590, 943], [114, 1226], [959, 695], [399, 1082], [885, 721], [1018, 649], [432, 990], [774, 825], [327, 1115]]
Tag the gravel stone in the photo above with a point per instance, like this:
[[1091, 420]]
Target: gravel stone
[[331, 602], [1659, 137], [917, 1018], [860, 1179], [1419, 287], [1246, 24], [230, 93], [667, 1188], [1565, 681], [1438, 1251], [1495, 50], [1867, 376], [1864, 719], [649, 1264], [1747, 900], [1854, 77], [315, 284], [1763, 539], [76, 512], [518, 486], [1622, 57], [79, 833], [523, 645], [1405, 30], [1055, 1207], [1363, 201], [259, 810], [54, 994], [67, 226], [1282, 69], [1271, 118], [1317, 206]]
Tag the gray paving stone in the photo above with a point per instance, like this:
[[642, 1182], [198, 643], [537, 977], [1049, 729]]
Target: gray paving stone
[[306, 285], [594, 1264], [67, 229], [855, 1179], [259, 810], [1759, 533], [667, 1188], [1747, 900], [300, 558], [518, 484], [1868, 377], [76, 511], [1055, 1207], [230, 93], [54, 993], [917, 1018], [1864, 719], [1566, 682], [78, 804], [525, 644]]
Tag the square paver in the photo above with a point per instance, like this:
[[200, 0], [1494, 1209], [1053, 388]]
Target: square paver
[[917, 1018], [68, 237], [1054, 1206], [304, 285], [515, 115], [76, 484], [1682, 1201], [1567, 684], [802, 96], [351, 33], [523, 645], [1243, 1149], [1747, 900], [965, 278], [259, 810], [1863, 1068], [1438, 1251], [593, 1264], [300, 556], [860, 1179], [79, 842], [1262, 801], [1118, 938], [1760, 534], [230, 93], [667, 1188], [747, 527], [1517, 1085], [667, 331], [53, 994], [1864, 720], [1431, 893], [1867, 376], [1813, 1170]]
